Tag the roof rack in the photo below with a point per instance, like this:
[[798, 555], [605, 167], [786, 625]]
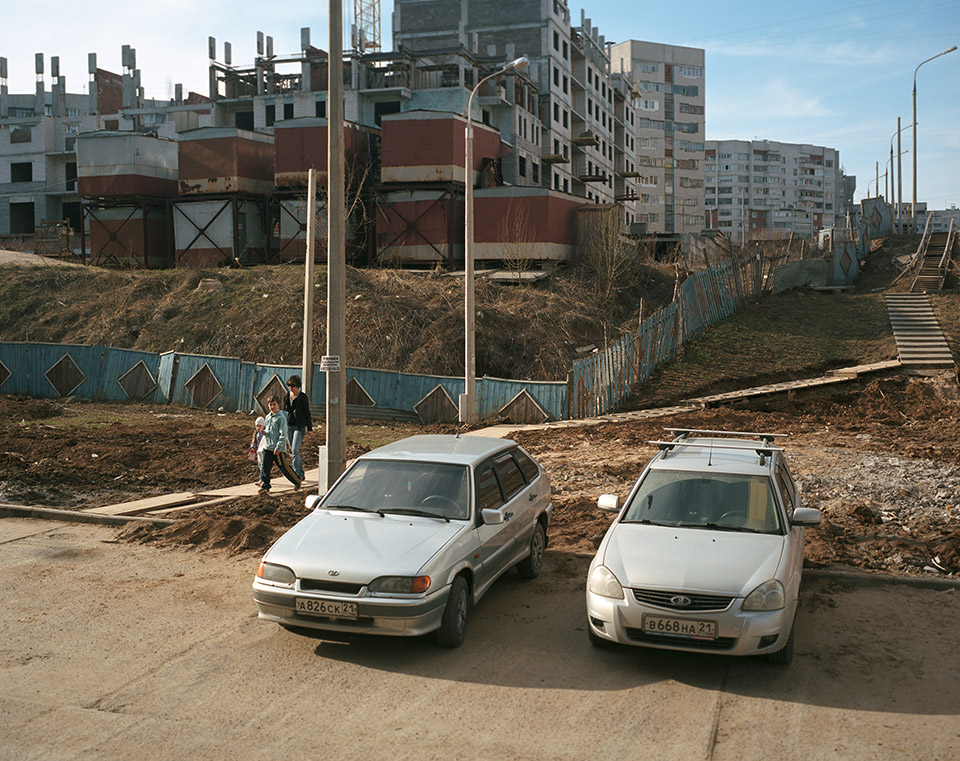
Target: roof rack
[[765, 437], [762, 451]]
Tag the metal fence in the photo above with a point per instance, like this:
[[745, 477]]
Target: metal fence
[[104, 373], [596, 385]]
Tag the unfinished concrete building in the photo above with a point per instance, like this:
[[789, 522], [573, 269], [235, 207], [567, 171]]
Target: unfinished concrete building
[[586, 147]]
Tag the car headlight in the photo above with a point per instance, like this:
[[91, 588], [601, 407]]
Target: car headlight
[[404, 585], [768, 596], [602, 582], [278, 573]]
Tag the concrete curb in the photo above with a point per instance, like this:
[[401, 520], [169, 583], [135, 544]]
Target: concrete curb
[[76, 516], [877, 579]]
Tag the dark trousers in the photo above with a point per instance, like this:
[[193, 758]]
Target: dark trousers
[[283, 462]]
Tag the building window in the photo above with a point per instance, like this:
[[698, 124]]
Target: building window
[[271, 115], [556, 40], [21, 171], [320, 109], [565, 53], [288, 110], [522, 166], [536, 172]]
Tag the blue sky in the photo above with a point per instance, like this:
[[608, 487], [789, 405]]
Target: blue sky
[[829, 73]]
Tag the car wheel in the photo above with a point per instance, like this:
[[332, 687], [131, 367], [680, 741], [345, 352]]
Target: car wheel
[[453, 624], [784, 656], [595, 639], [532, 564]]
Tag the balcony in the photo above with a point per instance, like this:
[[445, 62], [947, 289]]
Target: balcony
[[554, 158], [585, 138]]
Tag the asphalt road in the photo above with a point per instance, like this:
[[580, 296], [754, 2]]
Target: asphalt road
[[118, 651]]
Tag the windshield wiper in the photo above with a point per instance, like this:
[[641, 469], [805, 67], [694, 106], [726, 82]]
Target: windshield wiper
[[414, 511], [646, 522], [720, 527], [353, 507]]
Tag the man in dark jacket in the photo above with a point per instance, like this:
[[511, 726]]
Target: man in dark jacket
[[297, 407]]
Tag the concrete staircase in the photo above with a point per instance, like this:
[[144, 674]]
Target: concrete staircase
[[920, 341]]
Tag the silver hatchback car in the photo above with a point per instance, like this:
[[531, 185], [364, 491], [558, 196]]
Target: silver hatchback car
[[408, 538], [707, 551]]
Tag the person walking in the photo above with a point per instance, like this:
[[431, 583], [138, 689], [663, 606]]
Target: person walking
[[276, 447], [297, 406], [256, 444]]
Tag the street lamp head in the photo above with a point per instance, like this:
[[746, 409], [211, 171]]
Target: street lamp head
[[517, 63], [950, 49]]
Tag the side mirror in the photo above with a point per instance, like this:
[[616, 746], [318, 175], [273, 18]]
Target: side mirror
[[609, 503], [312, 500], [491, 517], [805, 516]]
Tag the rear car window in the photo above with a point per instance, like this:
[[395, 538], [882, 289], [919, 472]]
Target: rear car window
[[528, 466]]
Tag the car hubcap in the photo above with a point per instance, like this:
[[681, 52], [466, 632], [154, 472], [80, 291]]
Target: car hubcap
[[462, 611], [537, 550]]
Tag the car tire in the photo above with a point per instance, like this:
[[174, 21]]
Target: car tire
[[453, 624], [784, 656], [532, 564], [595, 639]]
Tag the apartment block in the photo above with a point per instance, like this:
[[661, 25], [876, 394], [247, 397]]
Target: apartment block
[[668, 132], [763, 190], [587, 115]]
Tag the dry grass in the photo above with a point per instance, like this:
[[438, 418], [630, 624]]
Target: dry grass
[[395, 319]]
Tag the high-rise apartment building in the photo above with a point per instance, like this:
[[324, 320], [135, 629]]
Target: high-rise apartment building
[[668, 135], [587, 114], [762, 189]]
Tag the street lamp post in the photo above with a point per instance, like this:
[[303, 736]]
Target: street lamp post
[[468, 399], [898, 198], [913, 205]]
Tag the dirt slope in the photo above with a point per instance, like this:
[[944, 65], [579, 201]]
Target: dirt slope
[[395, 320]]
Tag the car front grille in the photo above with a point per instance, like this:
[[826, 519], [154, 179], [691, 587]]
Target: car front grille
[[674, 600], [646, 638], [337, 587]]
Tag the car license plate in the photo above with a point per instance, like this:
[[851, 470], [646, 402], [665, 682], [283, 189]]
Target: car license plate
[[680, 627], [310, 607]]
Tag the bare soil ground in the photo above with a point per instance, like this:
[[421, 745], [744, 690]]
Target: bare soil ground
[[880, 458]]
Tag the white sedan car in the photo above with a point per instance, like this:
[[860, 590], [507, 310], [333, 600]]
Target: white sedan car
[[409, 537], [707, 551]]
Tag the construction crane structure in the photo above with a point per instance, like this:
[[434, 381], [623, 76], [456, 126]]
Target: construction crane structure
[[366, 17]]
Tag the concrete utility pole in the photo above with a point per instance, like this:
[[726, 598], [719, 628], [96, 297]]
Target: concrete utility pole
[[899, 183], [307, 370], [336, 256]]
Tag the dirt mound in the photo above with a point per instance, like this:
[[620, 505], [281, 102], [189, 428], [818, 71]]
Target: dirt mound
[[246, 524]]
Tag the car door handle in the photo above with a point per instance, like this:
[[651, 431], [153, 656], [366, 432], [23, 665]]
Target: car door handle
[[532, 497], [507, 515]]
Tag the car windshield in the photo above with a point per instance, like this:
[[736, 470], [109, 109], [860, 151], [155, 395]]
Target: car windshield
[[387, 485], [718, 501]]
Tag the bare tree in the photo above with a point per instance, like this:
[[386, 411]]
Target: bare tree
[[515, 238], [606, 254]]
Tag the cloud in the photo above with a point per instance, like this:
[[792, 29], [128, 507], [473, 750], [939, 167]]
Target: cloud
[[816, 52]]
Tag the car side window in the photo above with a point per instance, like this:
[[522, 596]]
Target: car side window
[[488, 489], [511, 479], [787, 490], [528, 466]]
